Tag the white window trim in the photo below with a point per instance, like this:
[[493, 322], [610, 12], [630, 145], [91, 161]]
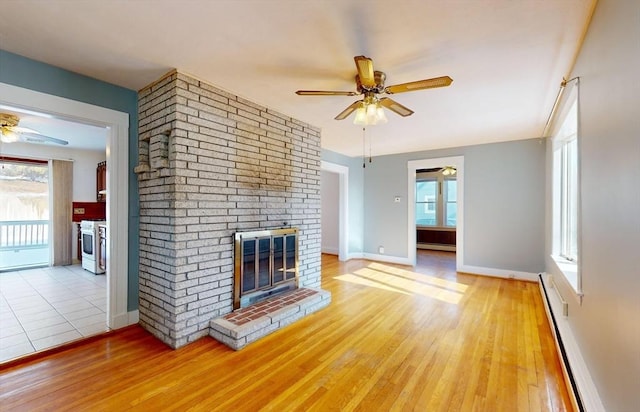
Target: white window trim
[[570, 269]]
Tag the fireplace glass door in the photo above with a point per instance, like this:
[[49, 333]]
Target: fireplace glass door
[[264, 264], [248, 265], [268, 259]]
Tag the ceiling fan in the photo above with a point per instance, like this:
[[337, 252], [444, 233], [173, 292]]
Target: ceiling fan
[[10, 132], [370, 83]]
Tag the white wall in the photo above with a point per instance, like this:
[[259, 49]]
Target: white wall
[[606, 326], [329, 190]]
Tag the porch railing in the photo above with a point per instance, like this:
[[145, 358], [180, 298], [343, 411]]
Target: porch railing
[[24, 234]]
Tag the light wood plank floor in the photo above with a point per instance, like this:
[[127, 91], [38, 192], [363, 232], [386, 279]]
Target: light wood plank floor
[[394, 338]]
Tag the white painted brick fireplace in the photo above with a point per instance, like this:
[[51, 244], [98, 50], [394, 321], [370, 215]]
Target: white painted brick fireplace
[[211, 164]]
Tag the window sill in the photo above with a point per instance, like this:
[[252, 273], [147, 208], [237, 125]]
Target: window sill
[[569, 270]]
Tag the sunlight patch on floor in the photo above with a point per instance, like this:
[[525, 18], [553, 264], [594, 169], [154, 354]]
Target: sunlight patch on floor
[[358, 280], [405, 282], [421, 277]]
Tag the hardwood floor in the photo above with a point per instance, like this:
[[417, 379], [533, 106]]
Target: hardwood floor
[[394, 338]]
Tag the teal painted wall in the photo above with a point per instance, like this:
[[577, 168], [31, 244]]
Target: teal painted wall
[[33, 75], [503, 203]]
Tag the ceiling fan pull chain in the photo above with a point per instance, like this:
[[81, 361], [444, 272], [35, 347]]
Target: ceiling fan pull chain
[[370, 148], [364, 155]]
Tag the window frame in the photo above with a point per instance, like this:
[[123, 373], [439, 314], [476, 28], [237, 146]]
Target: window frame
[[440, 202], [566, 197], [446, 202], [434, 203]]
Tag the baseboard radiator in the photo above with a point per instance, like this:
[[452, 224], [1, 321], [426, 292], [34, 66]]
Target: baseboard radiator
[[574, 394]]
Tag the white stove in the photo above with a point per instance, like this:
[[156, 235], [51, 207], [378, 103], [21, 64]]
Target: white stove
[[91, 245]]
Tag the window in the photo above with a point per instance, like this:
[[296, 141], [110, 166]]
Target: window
[[436, 199], [451, 203], [565, 197], [426, 202], [24, 213], [569, 200]]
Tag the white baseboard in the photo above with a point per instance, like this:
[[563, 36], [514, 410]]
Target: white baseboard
[[124, 319], [330, 250], [498, 273], [354, 256], [134, 317], [573, 363], [379, 258], [387, 259]]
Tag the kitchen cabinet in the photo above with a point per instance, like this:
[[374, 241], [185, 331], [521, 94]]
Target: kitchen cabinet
[[101, 182], [102, 248]]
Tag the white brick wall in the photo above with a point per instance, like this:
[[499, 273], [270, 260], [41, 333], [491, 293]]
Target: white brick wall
[[211, 164]]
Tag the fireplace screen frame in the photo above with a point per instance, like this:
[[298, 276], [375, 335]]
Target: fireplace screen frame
[[256, 239]]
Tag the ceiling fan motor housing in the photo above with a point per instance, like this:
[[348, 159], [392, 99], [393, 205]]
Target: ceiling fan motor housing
[[8, 120], [379, 77]]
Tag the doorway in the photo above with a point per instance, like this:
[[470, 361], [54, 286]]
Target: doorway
[[413, 167], [117, 154], [330, 189], [24, 213], [342, 190]]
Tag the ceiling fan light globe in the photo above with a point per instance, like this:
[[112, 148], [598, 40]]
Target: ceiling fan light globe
[[372, 114], [382, 117], [361, 117], [449, 171], [8, 136]]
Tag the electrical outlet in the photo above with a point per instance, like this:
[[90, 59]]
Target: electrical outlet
[[381, 250]]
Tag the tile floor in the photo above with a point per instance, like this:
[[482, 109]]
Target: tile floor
[[46, 307]]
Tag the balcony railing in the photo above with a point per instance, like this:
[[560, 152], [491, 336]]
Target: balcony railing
[[24, 234], [23, 244]]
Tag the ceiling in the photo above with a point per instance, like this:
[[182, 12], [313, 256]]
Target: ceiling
[[78, 135], [507, 58]]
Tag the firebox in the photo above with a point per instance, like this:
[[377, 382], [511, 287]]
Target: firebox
[[266, 264]]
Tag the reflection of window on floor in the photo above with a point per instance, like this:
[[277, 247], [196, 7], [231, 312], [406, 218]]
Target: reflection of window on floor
[[24, 213], [435, 199]]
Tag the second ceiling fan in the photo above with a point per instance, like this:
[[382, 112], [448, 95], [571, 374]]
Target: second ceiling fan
[[370, 83]]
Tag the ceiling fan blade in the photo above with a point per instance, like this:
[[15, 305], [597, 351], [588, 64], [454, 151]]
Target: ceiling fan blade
[[395, 107], [40, 138], [346, 112], [20, 129], [419, 85], [324, 93], [365, 71]]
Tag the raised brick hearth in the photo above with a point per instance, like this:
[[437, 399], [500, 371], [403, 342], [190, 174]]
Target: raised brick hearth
[[247, 325]]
